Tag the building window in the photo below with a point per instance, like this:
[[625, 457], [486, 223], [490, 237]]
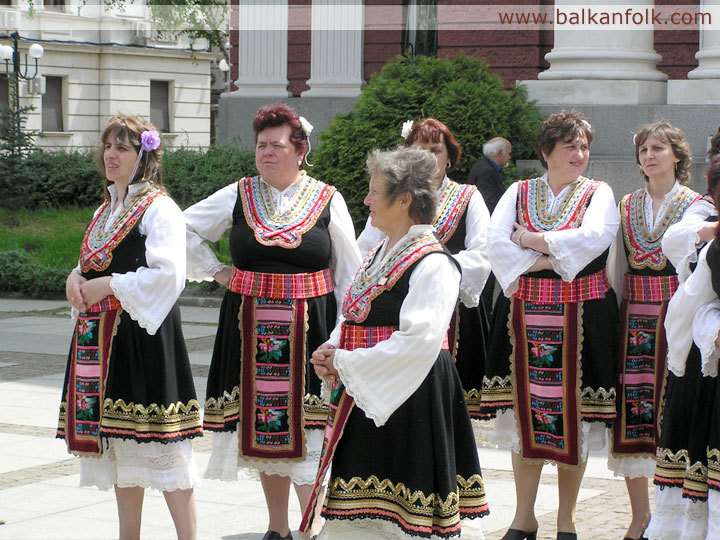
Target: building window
[[54, 5], [4, 93], [52, 105], [420, 36], [160, 105]]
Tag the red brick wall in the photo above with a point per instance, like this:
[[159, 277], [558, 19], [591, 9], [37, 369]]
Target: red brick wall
[[380, 45], [677, 47], [298, 69], [234, 42], [512, 55]]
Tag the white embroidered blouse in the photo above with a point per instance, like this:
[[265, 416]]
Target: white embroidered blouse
[[680, 241], [208, 219], [473, 259], [149, 293], [571, 250], [383, 377]]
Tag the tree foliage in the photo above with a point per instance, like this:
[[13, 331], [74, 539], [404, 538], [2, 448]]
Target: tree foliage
[[15, 143], [459, 91]]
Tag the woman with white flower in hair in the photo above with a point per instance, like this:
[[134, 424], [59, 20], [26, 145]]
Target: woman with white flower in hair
[[550, 369], [129, 407], [461, 225], [293, 250]]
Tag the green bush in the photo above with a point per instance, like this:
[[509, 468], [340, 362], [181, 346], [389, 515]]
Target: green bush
[[57, 179], [192, 175], [458, 91], [20, 274]]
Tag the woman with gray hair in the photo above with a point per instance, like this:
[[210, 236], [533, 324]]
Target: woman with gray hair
[[404, 461]]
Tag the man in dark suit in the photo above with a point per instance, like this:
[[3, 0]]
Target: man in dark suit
[[485, 174]]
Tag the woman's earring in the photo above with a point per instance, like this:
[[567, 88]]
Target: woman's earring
[[448, 165], [299, 161]]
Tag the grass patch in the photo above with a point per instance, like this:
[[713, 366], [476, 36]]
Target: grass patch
[[50, 237], [45, 242]]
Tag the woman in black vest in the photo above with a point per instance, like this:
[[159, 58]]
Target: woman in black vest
[[400, 441], [129, 398]]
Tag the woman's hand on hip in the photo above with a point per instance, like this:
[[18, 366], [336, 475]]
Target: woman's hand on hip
[[322, 360], [95, 290], [223, 276], [73, 291]]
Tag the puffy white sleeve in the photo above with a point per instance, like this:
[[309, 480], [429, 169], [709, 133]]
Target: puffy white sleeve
[[680, 241], [617, 265], [691, 295], [706, 325], [474, 259], [344, 252], [369, 238], [206, 221], [383, 377], [571, 250], [508, 260], [149, 293]]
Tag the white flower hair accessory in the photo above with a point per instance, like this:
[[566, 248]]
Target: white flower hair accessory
[[634, 138], [406, 128], [307, 127], [586, 124]]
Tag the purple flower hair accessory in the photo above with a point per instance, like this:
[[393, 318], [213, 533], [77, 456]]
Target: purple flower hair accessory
[[150, 140]]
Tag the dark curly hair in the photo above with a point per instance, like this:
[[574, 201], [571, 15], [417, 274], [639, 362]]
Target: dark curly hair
[[279, 114], [562, 126]]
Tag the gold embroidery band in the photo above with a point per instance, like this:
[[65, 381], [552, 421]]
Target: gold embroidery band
[[89, 359]]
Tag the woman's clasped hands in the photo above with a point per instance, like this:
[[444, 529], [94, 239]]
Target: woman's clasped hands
[[322, 360], [83, 293]]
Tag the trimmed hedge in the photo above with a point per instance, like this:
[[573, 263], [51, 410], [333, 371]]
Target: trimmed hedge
[[459, 91], [58, 179], [19, 273], [191, 175]]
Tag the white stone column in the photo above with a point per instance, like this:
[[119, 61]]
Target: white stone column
[[336, 50], [703, 84], [262, 50], [600, 66]]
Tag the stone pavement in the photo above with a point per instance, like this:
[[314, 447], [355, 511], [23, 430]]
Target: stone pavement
[[39, 494]]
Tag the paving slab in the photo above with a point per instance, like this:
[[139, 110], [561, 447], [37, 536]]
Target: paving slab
[[39, 494]]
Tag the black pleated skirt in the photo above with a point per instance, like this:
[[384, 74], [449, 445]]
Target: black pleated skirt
[[408, 470]]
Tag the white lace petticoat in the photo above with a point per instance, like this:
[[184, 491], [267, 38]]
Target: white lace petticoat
[[225, 461], [629, 466], [505, 434], [128, 463], [380, 529], [677, 517]]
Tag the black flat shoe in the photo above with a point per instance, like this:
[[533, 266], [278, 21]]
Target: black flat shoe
[[517, 534], [272, 535], [566, 536]]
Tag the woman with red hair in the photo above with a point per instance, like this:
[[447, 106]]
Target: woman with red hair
[[294, 254]]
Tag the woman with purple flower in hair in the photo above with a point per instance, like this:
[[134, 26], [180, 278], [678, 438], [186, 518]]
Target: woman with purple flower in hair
[[129, 408]]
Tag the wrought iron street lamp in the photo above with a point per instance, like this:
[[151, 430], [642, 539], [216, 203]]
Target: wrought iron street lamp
[[14, 72]]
